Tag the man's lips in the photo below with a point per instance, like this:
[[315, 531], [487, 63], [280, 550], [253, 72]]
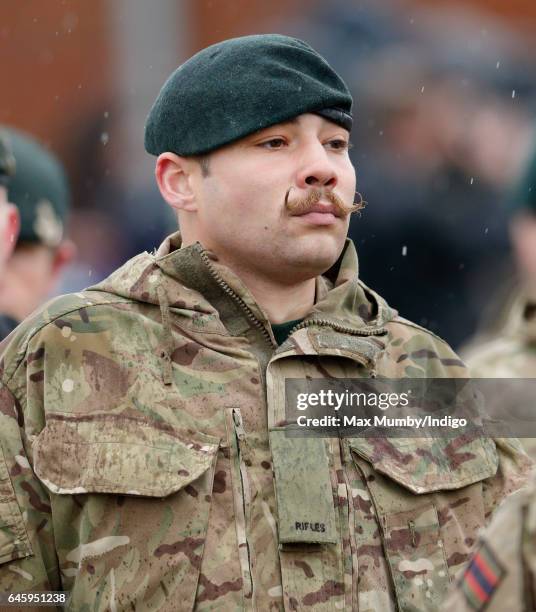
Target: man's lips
[[320, 207], [320, 214]]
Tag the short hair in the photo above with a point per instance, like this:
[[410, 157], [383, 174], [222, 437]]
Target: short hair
[[204, 162]]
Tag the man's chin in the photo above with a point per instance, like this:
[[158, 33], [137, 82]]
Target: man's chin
[[322, 244], [316, 256]]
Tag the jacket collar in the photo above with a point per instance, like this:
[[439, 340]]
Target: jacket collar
[[209, 297]]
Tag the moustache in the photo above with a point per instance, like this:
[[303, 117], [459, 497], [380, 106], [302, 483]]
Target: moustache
[[301, 206]]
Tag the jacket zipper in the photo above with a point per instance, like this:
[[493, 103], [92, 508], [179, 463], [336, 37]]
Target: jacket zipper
[[367, 331], [225, 287], [242, 446], [346, 455]]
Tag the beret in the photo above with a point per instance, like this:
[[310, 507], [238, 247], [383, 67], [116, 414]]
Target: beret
[[7, 161], [239, 86], [39, 189]]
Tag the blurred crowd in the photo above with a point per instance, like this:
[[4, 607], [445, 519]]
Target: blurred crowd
[[444, 130], [445, 111]]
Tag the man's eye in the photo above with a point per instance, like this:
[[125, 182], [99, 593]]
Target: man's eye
[[273, 143], [339, 144]]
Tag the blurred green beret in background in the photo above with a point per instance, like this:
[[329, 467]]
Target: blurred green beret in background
[[39, 189], [239, 86]]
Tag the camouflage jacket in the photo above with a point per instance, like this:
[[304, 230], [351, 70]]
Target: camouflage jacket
[[144, 466], [502, 573], [512, 352]]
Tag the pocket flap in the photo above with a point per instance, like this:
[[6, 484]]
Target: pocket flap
[[424, 465], [119, 454]]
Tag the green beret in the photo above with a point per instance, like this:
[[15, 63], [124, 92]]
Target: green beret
[[39, 189], [239, 86], [7, 161]]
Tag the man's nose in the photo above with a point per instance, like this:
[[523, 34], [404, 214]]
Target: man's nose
[[316, 169]]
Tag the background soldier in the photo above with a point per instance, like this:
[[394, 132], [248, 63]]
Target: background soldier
[[142, 422], [510, 350], [40, 191], [9, 219], [9, 216]]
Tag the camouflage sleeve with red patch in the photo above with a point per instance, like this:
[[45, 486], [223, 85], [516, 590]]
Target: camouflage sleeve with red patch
[[502, 572]]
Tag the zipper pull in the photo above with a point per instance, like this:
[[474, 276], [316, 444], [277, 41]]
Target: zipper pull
[[241, 435], [413, 535], [239, 425]]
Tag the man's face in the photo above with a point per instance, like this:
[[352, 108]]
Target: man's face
[[242, 213], [27, 280], [523, 233]]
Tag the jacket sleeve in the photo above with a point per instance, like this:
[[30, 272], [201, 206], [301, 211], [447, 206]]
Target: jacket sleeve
[[505, 552], [27, 556]]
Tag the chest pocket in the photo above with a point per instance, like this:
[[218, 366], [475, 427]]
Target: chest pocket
[[130, 505], [427, 495]]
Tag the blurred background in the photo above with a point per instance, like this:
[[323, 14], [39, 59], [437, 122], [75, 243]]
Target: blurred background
[[444, 125]]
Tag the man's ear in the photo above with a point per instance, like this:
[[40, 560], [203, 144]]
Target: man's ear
[[174, 178], [11, 230], [64, 254]]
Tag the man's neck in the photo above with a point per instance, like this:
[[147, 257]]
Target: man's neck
[[280, 302]]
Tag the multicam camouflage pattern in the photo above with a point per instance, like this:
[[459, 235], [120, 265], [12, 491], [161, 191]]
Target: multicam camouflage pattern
[[511, 353], [140, 425], [511, 539]]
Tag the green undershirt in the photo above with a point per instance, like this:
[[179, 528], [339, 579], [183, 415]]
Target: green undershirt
[[282, 330]]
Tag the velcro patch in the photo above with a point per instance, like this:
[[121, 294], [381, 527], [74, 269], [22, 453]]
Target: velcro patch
[[481, 578]]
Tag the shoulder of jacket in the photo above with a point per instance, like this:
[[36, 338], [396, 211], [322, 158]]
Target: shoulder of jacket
[[424, 330], [14, 348], [384, 311], [511, 508], [491, 348]]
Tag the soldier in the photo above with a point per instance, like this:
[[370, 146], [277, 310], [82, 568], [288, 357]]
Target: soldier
[[145, 460], [40, 191], [502, 573], [9, 219], [9, 216], [510, 352]]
